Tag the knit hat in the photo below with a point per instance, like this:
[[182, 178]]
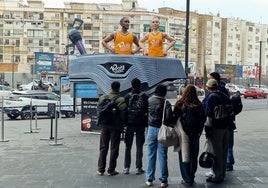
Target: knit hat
[[212, 83]]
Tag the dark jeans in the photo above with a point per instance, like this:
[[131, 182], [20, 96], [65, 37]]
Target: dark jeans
[[230, 155], [188, 170], [107, 136], [140, 139]]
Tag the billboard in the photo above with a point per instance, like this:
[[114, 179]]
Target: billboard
[[250, 72], [44, 62], [50, 62]]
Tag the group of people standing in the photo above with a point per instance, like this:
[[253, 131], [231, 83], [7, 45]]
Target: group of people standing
[[217, 127]]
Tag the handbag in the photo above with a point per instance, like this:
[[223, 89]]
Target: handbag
[[207, 157], [167, 136]]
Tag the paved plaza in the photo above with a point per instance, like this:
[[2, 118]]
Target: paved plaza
[[28, 161]]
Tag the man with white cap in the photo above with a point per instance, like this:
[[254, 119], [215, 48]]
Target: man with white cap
[[217, 106]]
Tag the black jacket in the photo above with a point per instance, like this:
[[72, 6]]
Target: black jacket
[[155, 112]]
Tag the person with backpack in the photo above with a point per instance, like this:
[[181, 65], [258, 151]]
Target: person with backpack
[[137, 120], [218, 110], [111, 111], [192, 116], [237, 105], [154, 148]]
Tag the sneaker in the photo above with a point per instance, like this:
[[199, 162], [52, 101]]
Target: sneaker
[[112, 173], [100, 173], [185, 183], [139, 171], [164, 184], [210, 173], [214, 180], [126, 171], [149, 183], [229, 168]]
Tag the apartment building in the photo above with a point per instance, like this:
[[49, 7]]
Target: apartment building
[[29, 28]]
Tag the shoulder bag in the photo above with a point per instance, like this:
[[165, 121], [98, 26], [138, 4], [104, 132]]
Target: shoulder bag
[[167, 136]]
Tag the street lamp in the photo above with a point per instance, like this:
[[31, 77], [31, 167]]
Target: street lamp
[[13, 57], [187, 38], [13, 61], [260, 62], [205, 68]]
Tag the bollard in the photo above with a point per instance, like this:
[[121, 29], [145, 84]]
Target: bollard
[[35, 117], [55, 143], [31, 119], [2, 121]]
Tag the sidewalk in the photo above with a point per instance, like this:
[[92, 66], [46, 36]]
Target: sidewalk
[[27, 161]]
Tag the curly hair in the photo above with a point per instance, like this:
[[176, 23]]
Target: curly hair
[[189, 97]]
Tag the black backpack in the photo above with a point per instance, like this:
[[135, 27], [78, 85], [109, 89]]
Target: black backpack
[[136, 109], [193, 119], [236, 102], [223, 111], [107, 111]]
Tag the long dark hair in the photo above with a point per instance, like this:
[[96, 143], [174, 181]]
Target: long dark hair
[[189, 97]]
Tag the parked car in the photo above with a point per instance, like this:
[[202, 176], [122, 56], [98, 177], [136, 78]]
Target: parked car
[[255, 93], [232, 88], [20, 103], [200, 91], [262, 87], [34, 85], [5, 91]]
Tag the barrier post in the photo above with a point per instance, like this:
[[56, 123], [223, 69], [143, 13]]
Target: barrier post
[[51, 109], [31, 119], [55, 143], [35, 118], [2, 121]]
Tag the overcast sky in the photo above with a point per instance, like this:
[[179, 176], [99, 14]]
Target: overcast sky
[[250, 10]]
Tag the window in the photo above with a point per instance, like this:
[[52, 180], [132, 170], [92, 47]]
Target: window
[[57, 16], [34, 33], [217, 25], [88, 26], [40, 42]]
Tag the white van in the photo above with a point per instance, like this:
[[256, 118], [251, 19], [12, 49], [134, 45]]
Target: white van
[[19, 103]]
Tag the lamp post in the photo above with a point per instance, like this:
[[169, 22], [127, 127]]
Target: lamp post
[[205, 68], [13, 58], [260, 62], [13, 61], [187, 37]]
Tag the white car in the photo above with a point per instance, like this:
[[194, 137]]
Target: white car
[[232, 88], [239, 89], [5, 91], [20, 103], [34, 84]]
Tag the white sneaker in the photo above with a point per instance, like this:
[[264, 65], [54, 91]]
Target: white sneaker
[[149, 183], [126, 171], [210, 173]]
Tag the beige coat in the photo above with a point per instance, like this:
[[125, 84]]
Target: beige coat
[[184, 144]]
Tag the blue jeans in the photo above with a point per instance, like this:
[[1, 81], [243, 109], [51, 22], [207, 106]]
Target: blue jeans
[[154, 148], [230, 155], [188, 169]]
